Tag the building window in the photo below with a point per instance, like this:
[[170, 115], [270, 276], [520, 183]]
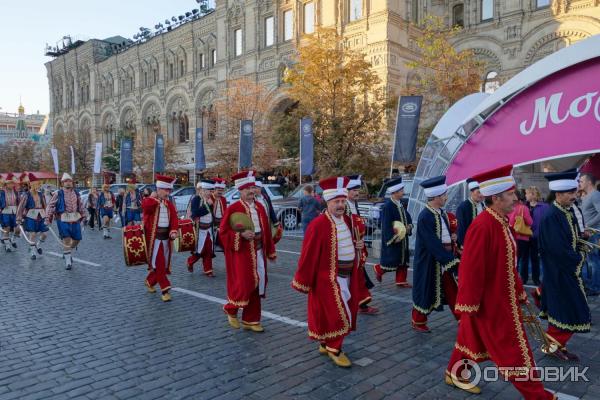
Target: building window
[[491, 82], [309, 18], [238, 42], [355, 9], [542, 3], [171, 71], [201, 61], [181, 68], [269, 31], [155, 76], [487, 9], [414, 12], [288, 25], [213, 56], [458, 15], [145, 78]]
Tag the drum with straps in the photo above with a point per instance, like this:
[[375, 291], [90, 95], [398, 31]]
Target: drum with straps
[[134, 245]]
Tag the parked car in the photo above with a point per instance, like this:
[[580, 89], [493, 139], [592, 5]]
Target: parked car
[[287, 208], [182, 197], [273, 189]]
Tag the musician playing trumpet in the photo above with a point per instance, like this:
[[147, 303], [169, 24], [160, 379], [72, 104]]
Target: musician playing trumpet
[[563, 296]]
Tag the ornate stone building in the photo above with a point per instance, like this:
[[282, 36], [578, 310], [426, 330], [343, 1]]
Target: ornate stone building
[[168, 82]]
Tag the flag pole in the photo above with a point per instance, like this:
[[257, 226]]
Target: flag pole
[[300, 152], [395, 138]]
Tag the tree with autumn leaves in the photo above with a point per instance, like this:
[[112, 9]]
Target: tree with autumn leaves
[[338, 89], [443, 74], [243, 99]]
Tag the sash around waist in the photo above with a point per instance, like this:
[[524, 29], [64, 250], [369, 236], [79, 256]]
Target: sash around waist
[[162, 233], [70, 216], [345, 267], [9, 210]]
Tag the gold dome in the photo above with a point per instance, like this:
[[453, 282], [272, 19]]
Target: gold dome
[[21, 109]]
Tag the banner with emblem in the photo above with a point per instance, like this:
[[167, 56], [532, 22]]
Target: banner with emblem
[[246, 141], [407, 128], [54, 153], [126, 158], [159, 154], [306, 147], [200, 158]]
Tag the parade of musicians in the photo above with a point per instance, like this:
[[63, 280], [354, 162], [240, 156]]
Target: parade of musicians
[[303, 199]]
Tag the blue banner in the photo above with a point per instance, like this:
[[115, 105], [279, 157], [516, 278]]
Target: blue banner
[[306, 147], [199, 157], [246, 139], [407, 128], [159, 154], [126, 160]]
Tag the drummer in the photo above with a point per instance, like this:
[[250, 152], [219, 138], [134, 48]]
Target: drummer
[[202, 215]]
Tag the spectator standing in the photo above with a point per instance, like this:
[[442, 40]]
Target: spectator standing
[[537, 208], [309, 207], [590, 207], [520, 220]]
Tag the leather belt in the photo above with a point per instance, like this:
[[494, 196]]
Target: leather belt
[[203, 226], [345, 268], [162, 233]]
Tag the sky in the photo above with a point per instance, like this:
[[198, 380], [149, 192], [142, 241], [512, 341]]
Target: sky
[[27, 25]]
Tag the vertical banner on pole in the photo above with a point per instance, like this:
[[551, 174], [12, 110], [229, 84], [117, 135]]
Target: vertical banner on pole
[[407, 128], [199, 157], [54, 153], [98, 158], [72, 161], [246, 140], [306, 147], [159, 154], [126, 159]]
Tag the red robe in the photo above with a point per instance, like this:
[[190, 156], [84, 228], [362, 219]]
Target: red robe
[[223, 201], [490, 293], [150, 212], [317, 275], [240, 254]]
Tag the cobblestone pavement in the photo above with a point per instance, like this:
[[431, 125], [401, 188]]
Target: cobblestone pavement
[[95, 333]]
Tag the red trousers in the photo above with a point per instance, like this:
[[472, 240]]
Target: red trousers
[[450, 290], [158, 272], [250, 312], [206, 255], [401, 274], [333, 345], [530, 390], [558, 335]]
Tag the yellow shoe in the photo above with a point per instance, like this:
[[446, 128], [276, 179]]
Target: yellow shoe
[[466, 386], [322, 350], [150, 288], [253, 328], [341, 360], [233, 321], [166, 297]]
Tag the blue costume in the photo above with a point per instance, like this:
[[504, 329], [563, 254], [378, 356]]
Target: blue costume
[[106, 210], [395, 254], [435, 263], [563, 295], [34, 212], [8, 216], [465, 214], [133, 214]]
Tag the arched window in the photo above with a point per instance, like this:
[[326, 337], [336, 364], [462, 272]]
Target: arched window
[[491, 82], [458, 15]]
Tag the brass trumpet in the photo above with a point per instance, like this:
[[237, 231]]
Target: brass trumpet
[[533, 324]]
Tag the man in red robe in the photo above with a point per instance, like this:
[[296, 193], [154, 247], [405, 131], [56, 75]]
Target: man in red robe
[[328, 270], [490, 294], [247, 242], [160, 229]]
